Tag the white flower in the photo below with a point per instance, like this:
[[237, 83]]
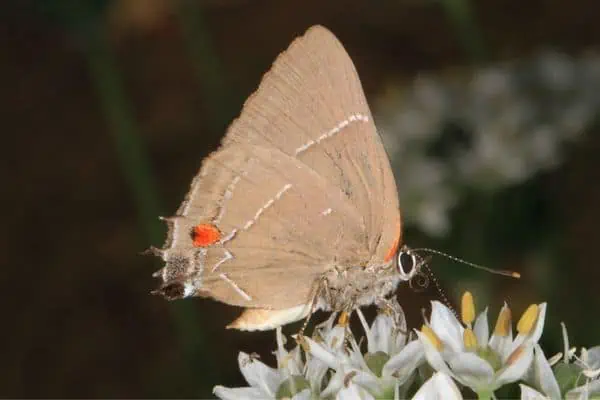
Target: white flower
[[528, 393], [265, 382], [332, 365], [580, 379], [439, 386], [293, 378], [485, 128], [353, 392], [389, 363], [473, 358]]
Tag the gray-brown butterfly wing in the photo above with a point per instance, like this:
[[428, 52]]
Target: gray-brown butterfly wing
[[301, 183], [314, 91]]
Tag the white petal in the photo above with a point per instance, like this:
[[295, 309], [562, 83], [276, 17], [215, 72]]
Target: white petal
[[258, 374], [320, 352], [539, 324], [334, 385], [528, 393], [482, 328], [502, 344], [296, 357], [286, 360], [314, 368], [353, 392], [433, 356], [368, 381], [368, 333], [593, 361], [517, 369], [382, 329], [303, 395], [401, 330], [472, 370], [315, 371], [356, 355], [281, 351], [335, 338], [326, 325], [585, 391], [446, 326], [543, 375], [249, 393], [403, 364], [340, 381], [439, 386], [280, 343]]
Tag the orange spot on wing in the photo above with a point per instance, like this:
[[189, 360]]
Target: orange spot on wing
[[395, 244], [205, 234]]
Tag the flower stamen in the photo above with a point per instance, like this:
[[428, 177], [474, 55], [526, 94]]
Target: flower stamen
[[528, 319], [433, 338], [344, 319], [467, 308], [503, 323], [469, 339]]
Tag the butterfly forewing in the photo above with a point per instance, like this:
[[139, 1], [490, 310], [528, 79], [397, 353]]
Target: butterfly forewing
[[301, 183]]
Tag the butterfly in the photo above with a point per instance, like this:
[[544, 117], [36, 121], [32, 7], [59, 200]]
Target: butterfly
[[297, 210]]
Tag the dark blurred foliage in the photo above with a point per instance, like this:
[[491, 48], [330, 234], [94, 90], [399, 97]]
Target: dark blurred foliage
[[109, 107]]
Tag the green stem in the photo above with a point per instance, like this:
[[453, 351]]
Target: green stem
[[130, 150], [485, 394], [206, 64], [135, 166], [459, 12]]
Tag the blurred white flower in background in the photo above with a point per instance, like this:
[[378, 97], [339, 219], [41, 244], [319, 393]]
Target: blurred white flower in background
[[509, 122]]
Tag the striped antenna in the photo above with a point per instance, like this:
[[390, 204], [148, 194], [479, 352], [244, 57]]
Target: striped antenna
[[504, 272]]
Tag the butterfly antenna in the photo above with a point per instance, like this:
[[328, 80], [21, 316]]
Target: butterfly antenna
[[504, 272], [440, 290]]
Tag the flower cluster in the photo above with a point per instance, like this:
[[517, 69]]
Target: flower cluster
[[485, 128], [445, 358]]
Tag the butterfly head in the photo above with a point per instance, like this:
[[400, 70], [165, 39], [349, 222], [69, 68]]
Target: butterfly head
[[408, 264]]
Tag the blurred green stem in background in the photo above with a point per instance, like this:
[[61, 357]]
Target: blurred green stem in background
[[135, 166], [460, 14], [131, 153], [207, 66]]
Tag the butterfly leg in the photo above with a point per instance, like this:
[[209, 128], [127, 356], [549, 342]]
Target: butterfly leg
[[391, 307], [319, 287]]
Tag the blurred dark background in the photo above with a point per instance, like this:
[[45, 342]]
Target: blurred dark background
[[109, 107]]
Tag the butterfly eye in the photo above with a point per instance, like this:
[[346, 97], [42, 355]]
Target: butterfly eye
[[407, 263]]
